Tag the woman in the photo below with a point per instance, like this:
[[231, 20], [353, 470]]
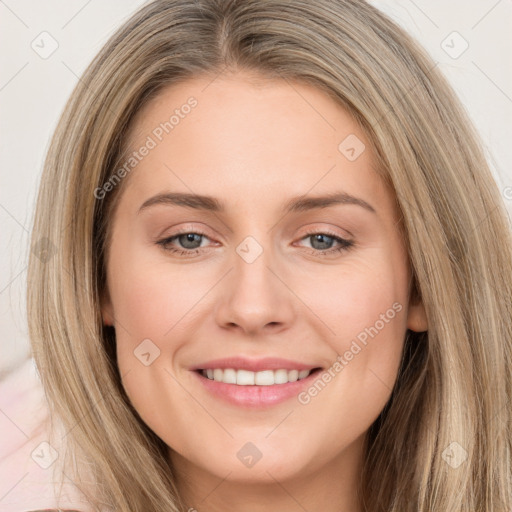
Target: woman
[[340, 337]]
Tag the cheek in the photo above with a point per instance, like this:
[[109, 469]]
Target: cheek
[[352, 297], [155, 304], [150, 307], [367, 316], [364, 307], [151, 297]]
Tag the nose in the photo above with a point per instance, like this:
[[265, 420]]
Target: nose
[[255, 298]]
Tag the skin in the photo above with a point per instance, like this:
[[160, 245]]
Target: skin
[[254, 144]]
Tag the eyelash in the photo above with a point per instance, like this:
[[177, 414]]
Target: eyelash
[[345, 245]]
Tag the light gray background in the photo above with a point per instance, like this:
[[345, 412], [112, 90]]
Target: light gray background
[[33, 91]]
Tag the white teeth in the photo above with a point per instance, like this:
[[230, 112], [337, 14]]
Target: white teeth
[[303, 373], [293, 375], [280, 376], [243, 378], [248, 378], [264, 378], [229, 376]]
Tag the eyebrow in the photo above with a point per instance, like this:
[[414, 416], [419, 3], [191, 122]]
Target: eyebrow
[[295, 204]]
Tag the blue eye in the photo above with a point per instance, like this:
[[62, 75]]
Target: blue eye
[[323, 239], [190, 242]]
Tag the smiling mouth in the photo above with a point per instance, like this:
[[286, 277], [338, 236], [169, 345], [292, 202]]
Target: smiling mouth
[[261, 378]]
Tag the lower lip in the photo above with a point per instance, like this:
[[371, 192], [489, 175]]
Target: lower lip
[[256, 396]]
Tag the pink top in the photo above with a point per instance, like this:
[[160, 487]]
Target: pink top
[[27, 459]]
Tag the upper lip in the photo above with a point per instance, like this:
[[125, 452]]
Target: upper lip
[[254, 365]]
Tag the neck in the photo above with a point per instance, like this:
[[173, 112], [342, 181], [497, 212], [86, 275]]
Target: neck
[[330, 486]]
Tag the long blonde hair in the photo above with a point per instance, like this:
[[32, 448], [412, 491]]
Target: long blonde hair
[[454, 389]]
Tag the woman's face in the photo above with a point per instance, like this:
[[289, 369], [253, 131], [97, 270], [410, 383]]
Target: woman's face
[[267, 270]]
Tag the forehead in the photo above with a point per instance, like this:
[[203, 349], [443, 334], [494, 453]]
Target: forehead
[[240, 110], [245, 136]]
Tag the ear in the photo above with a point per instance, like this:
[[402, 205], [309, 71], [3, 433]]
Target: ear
[[416, 315], [107, 312]]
